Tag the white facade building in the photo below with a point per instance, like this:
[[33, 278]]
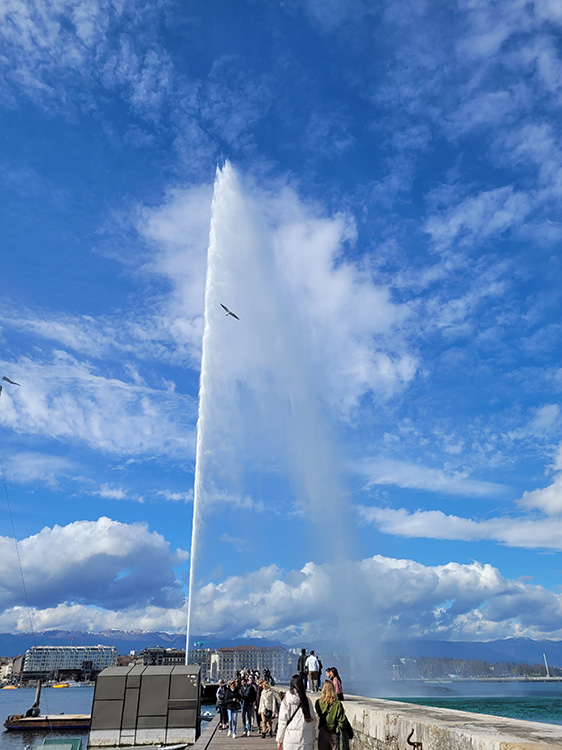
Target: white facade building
[[51, 660]]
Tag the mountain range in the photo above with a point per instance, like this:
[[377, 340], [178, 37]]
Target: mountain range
[[511, 649]]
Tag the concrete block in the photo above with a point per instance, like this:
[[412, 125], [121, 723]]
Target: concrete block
[[104, 738], [130, 709], [106, 714], [153, 700], [177, 736], [150, 737]]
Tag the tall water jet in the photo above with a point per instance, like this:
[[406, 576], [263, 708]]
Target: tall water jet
[[202, 442], [260, 400]]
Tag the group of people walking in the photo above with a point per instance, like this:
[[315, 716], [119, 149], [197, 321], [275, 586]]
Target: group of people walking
[[299, 723], [246, 695], [310, 670]]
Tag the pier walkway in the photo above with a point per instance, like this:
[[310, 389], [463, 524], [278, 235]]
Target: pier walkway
[[212, 738], [391, 725]]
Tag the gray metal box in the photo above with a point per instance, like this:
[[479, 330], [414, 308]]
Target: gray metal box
[[139, 705]]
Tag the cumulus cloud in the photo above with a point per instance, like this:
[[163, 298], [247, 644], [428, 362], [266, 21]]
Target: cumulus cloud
[[93, 619], [105, 564], [105, 574], [400, 599], [548, 500]]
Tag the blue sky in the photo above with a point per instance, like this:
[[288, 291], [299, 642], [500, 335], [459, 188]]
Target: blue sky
[[385, 417]]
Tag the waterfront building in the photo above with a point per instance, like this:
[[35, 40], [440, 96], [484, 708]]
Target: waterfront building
[[6, 667], [67, 662], [158, 656], [226, 662]]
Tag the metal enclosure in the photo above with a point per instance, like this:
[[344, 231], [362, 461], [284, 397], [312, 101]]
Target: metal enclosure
[[146, 706]]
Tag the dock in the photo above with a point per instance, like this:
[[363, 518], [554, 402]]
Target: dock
[[212, 738]]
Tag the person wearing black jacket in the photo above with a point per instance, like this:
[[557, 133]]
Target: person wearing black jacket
[[301, 666], [221, 705], [248, 695], [232, 706]]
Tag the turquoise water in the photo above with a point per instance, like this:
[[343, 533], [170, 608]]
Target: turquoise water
[[545, 708], [530, 701]]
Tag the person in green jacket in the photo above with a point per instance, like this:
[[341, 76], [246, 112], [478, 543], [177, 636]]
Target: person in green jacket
[[332, 721]]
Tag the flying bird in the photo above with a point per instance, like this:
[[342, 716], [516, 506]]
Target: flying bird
[[8, 381], [228, 312]]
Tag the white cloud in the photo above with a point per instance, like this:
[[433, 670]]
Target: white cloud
[[176, 497], [530, 533], [111, 493], [489, 213], [105, 574], [103, 563], [544, 423], [548, 500], [66, 399], [27, 467], [93, 619], [398, 599], [415, 476]]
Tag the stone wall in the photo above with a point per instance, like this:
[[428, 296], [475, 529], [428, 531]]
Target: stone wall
[[386, 725]]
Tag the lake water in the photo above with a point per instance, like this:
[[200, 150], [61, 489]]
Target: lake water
[[530, 701], [71, 700]]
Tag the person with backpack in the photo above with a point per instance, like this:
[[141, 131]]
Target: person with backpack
[[296, 728], [334, 729]]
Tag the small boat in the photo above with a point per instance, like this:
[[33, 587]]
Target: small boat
[[33, 720], [50, 722], [60, 684], [10, 687]]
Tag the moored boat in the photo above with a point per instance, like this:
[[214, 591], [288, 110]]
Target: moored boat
[[33, 720], [48, 722]]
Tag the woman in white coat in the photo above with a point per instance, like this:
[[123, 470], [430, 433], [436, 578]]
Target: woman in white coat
[[296, 728]]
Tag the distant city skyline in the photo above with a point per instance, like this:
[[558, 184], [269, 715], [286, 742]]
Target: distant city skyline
[[396, 170]]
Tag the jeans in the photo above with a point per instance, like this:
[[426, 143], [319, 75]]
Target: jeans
[[247, 713], [232, 719]]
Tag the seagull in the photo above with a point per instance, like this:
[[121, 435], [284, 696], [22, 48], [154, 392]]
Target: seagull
[[8, 381], [228, 312]]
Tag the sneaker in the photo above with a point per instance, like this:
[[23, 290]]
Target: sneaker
[[233, 735], [228, 733]]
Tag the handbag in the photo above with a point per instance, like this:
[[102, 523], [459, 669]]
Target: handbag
[[268, 713], [348, 729]]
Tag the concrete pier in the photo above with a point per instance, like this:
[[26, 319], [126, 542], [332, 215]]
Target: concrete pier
[[386, 725]]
